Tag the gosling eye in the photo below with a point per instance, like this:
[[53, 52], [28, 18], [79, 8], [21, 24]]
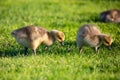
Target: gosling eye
[[106, 42], [60, 38]]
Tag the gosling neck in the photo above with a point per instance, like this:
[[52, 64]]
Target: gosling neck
[[101, 38], [50, 38]]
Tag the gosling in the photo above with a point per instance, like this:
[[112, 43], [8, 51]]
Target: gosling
[[89, 35], [110, 16], [33, 36]]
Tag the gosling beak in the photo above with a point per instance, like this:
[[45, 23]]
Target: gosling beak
[[109, 47], [13, 33], [62, 43]]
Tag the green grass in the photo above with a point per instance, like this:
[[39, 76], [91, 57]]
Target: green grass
[[57, 62]]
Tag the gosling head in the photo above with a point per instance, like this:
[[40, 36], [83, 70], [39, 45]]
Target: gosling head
[[107, 40], [13, 33], [19, 33], [58, 35]]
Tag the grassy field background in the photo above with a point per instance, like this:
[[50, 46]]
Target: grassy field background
[[57, 62]]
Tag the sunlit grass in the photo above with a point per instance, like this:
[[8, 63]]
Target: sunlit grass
[[57, 62]]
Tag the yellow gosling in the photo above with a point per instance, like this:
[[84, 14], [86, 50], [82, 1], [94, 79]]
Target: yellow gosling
[[110, 16], [34, 36], [89, 35]]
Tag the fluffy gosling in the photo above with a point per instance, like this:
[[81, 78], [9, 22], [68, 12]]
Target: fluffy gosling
[[89, 35], [33, 36], [110, 16]]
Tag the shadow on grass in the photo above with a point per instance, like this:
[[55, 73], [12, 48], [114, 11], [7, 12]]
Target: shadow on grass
[[11, 52], [86, 17], [91, 17], [56, 48], [70, 47]]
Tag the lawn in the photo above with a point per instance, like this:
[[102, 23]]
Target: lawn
[[57, 62]]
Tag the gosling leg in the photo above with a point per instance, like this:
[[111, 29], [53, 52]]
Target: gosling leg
[[34, 50], [25, 50], [80, 50], [96, 49]]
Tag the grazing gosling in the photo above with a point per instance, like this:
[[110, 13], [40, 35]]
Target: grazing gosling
[[110, 16], [33, 36], [89, 35]]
